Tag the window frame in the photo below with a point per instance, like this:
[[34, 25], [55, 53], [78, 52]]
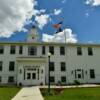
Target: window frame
[[20, 49], [12, 49], [63, 66], [1, 49], [90, 51], [51, 49], [12, 80], [32, 50], [0, 79], [52, 66], [52, 79], [63, 81], [43, 50], [62, 50], [1, 65], [92, 74], [11, 66], [79, 51]]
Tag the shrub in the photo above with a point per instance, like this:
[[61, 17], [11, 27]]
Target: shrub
[[58, 90], [59, 83], [76, 82], [41, 84]]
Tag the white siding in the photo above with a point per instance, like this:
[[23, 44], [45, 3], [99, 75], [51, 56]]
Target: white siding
[[72, 60]]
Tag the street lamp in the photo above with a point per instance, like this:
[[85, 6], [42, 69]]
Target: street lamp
[[49, 54]]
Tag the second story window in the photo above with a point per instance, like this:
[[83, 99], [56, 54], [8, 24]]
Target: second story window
[[13, 49], [32, 50], [62, 50], [1, 49], [20, 49], [11, 66], [1, 64], [63, 66], [43, 50], [51, 49], [52, 67], [79, 51], [90, 51]]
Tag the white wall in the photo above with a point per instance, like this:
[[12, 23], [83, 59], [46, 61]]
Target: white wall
[[72, 62]]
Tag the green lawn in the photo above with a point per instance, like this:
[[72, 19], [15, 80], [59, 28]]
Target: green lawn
[[76, 94], [6, 93]]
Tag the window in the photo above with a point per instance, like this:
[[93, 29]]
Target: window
[[20, 49], [92, 73], [11, 66], [10, 79], [51, 66], [51, 49], [28, 75], [0, 79], [43, 50], [33, 75], [63, 66], [90, 51], [12, 49], [38, 73], [32, 50], [1, 49], [1, 64], [52, 79], [79, 73], [63, 79], [79, 51], [62, 50]]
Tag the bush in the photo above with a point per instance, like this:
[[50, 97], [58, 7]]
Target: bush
[[41, 84], [59, 83], [58, 90], [76, 82]]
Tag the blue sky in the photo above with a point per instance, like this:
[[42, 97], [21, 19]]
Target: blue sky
[[81, 18]]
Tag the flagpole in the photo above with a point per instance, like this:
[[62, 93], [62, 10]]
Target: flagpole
[[65, 36]]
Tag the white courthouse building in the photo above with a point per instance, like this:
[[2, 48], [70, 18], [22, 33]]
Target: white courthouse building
[[26, 63]]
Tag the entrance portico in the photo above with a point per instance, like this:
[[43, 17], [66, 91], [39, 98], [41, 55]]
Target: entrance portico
[[31, 70]]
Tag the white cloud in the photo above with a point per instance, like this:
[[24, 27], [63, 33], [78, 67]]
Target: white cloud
[[93, 2], [42, 20], [63, 1], [38, 12], [87, 14], [90, 42], [60, 37], [13, 15], [24, 29], [43, 10], [57, 11]]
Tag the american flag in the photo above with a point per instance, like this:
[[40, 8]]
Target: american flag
[[58, 25]]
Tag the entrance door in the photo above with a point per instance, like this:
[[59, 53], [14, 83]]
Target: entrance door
[[79, 74], [31, 77]]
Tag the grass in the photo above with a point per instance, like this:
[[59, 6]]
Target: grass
[[6, 93], [74, 94]]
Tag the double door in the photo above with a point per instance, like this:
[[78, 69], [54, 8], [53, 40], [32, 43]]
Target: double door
[[31, 77]]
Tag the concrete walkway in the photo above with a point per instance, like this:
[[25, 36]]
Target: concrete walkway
[[29, 93], [33, 93]]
